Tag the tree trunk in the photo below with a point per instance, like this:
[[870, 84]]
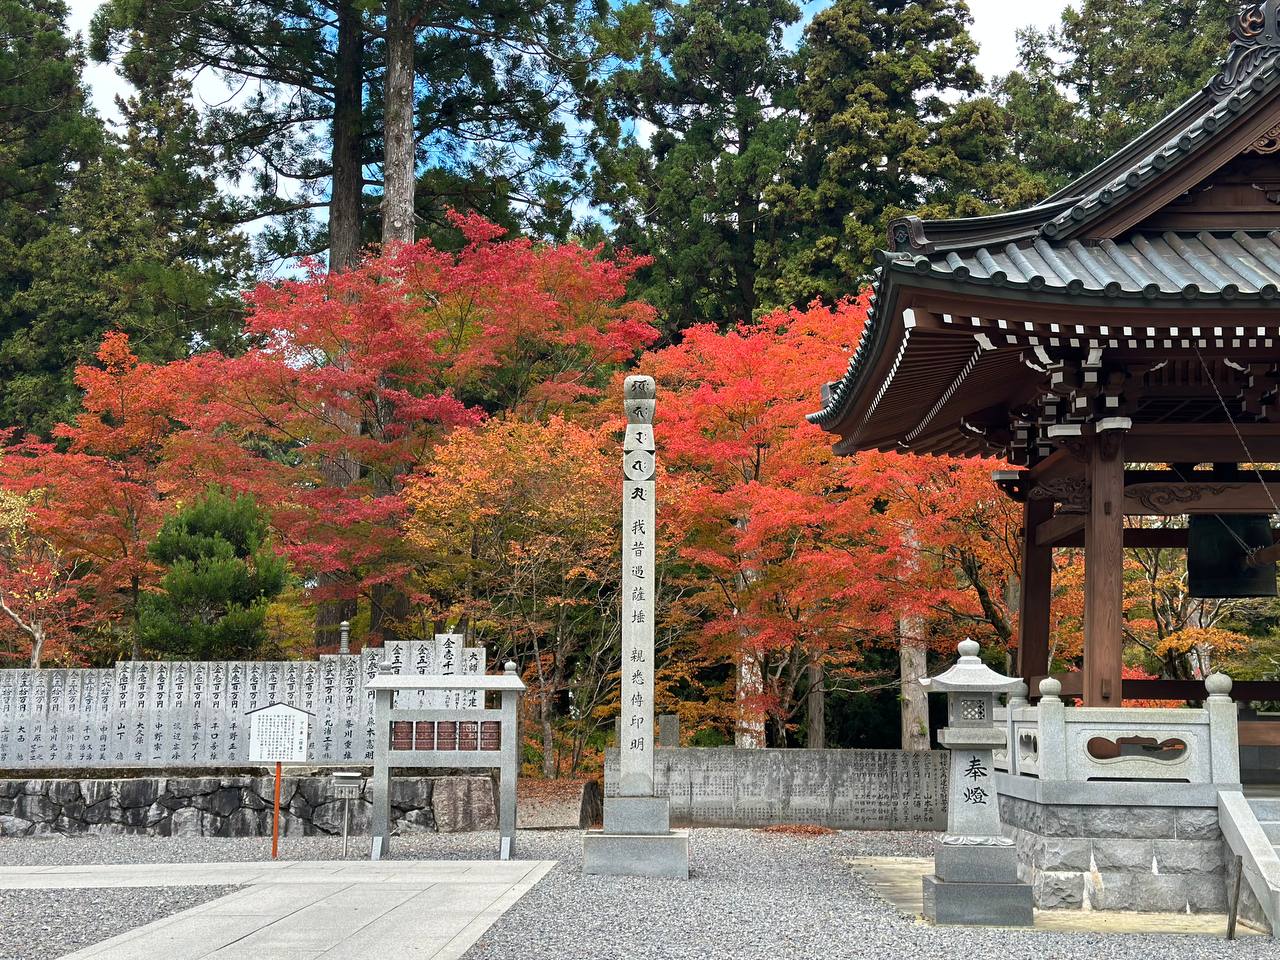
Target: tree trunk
[[398, 166], [816, 705], [548, 736], [348, 169], [750, 729], [915, 701], [37, 646]]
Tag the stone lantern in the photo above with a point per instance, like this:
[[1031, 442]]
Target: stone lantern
[[975, 877]]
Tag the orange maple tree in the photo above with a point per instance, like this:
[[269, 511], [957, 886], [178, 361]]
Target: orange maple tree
[[803, 558]]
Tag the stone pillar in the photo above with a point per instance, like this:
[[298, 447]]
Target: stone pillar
[[380, 783], [636, 739], [637, 839], [1224, 730]]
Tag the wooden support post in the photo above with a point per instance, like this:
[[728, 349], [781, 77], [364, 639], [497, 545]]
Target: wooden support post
[[1034, 596], [1104, 572]]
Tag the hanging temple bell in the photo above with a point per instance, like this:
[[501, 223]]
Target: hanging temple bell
[[1223, 559]]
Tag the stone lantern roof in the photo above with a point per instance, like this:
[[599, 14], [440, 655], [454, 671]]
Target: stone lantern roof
[[970, 675]]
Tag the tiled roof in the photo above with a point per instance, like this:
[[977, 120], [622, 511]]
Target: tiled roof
[[1151, 266], [1145, 267]]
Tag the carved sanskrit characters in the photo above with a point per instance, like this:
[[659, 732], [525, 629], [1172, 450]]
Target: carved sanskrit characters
[[637, 740]]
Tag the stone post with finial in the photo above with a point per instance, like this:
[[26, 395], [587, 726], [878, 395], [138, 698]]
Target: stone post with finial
[[975, 878], [637, 839]]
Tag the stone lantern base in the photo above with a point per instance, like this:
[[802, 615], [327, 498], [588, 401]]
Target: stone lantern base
[[976, 882], [978, 904]]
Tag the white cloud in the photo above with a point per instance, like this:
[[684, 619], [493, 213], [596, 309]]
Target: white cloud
[[101, 79], [995, 25]]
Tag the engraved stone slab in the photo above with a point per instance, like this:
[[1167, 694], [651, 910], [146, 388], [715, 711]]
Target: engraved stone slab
[[198, 731], [179, 711], [327, 726], [236, 746], [844, 789], [8, 712]]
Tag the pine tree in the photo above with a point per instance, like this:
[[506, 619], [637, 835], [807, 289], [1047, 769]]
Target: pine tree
[[881, 135], [221, 575], [1083, 89], [712, 84]]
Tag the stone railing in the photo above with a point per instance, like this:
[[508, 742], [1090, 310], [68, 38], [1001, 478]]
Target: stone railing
[[1185, 745]]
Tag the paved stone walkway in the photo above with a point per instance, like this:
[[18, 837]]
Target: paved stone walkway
[[897, 879], [305, 910]]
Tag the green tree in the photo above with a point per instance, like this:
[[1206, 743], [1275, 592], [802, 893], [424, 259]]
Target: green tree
[[712, 83], [99, 233], [47, 133], [1084, 88], [885, 131], [221, 577]]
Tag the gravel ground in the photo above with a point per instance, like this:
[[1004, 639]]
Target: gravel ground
[[752, 896], [43, 924]]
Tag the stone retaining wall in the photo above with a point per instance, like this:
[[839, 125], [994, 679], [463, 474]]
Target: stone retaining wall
[[1158, 859], [236, 806]]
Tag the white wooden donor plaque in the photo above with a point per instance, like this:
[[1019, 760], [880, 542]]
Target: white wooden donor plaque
[[278, 734]]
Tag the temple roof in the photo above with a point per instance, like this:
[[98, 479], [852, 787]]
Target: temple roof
[[1178, 227]]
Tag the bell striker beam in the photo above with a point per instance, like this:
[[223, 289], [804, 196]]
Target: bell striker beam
[[1104, 571]]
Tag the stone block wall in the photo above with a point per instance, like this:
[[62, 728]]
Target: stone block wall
[[236, 806], [1144, 858]]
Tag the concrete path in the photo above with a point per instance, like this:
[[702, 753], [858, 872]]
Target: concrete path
[[305, 910]]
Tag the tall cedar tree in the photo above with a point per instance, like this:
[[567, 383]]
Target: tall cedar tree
[[706, 122], [94, 234], [219, 575], [881, 134], [46, 134], [1111, 68]]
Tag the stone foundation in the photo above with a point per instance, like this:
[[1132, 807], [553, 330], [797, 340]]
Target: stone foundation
[[1120, 855], [237, 806]]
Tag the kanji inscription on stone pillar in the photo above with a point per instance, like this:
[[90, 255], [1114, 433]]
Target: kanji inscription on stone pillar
[[636, 740]]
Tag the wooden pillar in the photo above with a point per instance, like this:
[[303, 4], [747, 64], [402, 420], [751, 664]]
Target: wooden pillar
[[1104, 572], [1034, 595]]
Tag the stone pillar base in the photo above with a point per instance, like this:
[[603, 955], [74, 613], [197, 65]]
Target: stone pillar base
[[978, 904], [648, 815], [636, 854]]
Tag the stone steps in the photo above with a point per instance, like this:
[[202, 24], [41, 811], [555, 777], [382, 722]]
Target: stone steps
[[1265, 808], [1272, 829]]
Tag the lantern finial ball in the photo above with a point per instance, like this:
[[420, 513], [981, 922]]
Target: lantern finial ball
[[968, 648]]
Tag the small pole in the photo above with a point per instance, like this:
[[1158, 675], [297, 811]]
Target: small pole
[[346, 824], [344, 637], [275, 819], [1235, 901]]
